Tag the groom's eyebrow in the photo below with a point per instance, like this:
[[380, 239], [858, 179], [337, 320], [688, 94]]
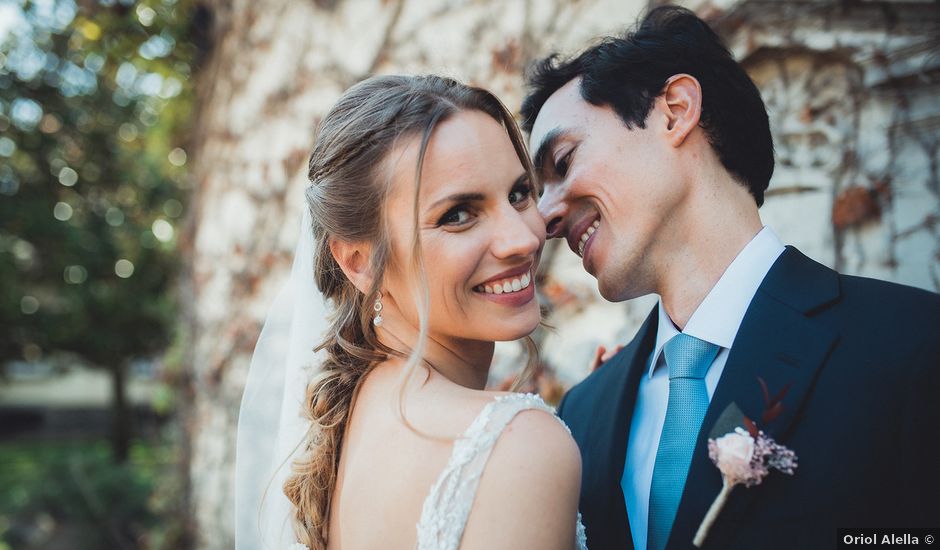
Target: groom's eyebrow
[[548, 143]]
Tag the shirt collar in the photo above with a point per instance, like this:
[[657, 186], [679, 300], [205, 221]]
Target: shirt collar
[[717, 319]]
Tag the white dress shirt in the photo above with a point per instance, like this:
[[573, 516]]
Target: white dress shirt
[[716, 320]]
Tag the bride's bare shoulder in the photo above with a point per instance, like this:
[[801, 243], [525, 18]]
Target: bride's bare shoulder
[[528, 493], [536, 438]]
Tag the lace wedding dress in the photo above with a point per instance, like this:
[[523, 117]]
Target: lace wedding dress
[[447, 507]]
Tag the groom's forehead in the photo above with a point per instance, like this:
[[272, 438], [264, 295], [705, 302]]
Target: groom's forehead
[[559, 112], [563, 113]]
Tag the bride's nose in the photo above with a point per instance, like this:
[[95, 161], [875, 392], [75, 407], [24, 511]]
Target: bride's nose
[[514, 236]]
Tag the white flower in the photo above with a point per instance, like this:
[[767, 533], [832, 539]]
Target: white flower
[[732, 454]]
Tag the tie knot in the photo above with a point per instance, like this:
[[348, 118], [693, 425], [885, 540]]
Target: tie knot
[[688, 356]]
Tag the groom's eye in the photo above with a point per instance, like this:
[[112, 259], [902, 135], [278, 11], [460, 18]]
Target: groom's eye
[[562, 164]]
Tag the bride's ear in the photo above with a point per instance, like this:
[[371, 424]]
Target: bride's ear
[[353, 259]]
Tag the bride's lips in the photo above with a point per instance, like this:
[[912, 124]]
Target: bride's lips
[[512, 299], [514, 287]]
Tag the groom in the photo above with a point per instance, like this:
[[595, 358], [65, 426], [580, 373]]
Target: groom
[[654, 151]]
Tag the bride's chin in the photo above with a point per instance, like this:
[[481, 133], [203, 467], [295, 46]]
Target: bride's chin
[[517, 331]]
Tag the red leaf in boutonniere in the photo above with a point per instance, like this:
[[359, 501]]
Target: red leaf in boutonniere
[[751, 427], [773, 405]]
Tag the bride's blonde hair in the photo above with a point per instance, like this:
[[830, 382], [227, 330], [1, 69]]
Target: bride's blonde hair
[[346, 200]]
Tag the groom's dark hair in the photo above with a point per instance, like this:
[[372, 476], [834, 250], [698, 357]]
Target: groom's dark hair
[[628, 73]]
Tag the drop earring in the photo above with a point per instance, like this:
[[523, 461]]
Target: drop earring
[[377, 307]]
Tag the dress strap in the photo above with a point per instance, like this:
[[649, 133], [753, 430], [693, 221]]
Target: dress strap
[[447, 507]]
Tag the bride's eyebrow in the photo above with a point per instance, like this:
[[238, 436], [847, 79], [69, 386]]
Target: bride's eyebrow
[[458, 197], [523, 178]]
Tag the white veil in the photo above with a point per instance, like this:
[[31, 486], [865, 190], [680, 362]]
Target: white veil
[[270, 426]]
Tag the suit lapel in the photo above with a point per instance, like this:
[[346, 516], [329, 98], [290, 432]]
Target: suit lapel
[[778, 343], [604, 461]]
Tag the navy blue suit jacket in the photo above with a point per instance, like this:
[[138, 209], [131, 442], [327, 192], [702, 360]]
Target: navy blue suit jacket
[[862, 361]]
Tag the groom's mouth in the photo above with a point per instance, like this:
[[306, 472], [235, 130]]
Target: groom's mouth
[[582, 234]]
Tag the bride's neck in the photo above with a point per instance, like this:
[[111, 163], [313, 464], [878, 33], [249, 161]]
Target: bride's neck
[[463, 362]]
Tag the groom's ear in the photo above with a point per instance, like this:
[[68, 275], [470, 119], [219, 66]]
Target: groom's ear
[[681, 104], [353, 259]]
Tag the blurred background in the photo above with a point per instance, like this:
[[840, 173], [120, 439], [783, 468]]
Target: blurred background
[[152, 163]]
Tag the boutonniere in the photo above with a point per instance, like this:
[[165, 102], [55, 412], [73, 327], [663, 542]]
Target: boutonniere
[[744, 454]]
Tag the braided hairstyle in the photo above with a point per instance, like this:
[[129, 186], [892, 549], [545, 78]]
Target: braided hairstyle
[[346, 199]]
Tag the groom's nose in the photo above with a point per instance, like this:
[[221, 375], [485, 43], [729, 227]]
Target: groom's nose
[[553, 209]]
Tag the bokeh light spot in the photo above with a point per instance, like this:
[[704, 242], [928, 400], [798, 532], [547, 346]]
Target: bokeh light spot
[[68, 177], [162, 230], [177, 157], [62, 211], [114, 217], [123, 268], [173, 208], [75, 274], [29, 305], [145, 15], [7, 146], [127, 132], [89, 29]]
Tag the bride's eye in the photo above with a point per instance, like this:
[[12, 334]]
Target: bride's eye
[[520, 193], [457, 215]]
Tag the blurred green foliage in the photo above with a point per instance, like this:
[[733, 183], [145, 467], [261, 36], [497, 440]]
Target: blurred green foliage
[[95, 102], [95, 97], [72, 495]]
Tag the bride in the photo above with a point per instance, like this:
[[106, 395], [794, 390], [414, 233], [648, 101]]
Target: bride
[[425, 239]]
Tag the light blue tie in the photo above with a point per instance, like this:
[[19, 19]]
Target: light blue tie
[[688, 359]]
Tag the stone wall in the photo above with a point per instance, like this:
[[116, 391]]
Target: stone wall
[[852, 93]]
